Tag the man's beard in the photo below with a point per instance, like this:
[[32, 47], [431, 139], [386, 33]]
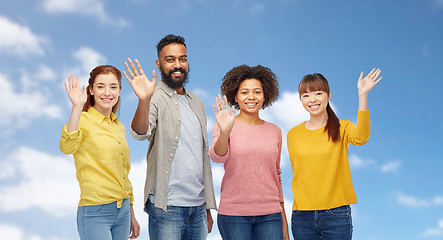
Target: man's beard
[[168, 79]]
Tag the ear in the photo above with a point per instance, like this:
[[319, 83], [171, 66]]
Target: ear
[[235, 98], [89, 90], [157, 63], [330, 94]]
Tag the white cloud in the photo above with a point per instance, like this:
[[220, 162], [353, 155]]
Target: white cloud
[[438, 231], [46, 181], [357, 162], [20, 108], [89, 59], [45, 73], [217, 175], [288, 111], [94, 8], [11, 232], [137, 176], [391, 167], [18, 39], [415, 202]]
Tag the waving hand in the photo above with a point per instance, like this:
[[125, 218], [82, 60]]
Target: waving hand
[[140, 83], [75, 94], [365, 84], [225, 119]]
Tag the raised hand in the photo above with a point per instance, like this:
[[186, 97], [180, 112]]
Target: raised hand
[[225, 119], [364, 85], [76, 95], [140, 83]]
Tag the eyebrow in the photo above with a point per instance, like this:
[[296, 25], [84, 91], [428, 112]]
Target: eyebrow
[[172, 56]]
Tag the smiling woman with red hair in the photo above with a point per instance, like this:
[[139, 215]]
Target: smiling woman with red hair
[[98, 142]]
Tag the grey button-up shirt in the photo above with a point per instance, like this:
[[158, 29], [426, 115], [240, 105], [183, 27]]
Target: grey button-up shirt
[[163, 136]]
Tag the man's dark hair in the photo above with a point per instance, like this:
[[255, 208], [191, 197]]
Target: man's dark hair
[[169, 39]]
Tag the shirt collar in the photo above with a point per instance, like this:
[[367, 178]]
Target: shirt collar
[[170, 91], [97, 116]]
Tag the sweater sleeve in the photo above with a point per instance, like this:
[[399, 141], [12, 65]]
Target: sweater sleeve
[[280, 187], [216, 158], [359, 134]]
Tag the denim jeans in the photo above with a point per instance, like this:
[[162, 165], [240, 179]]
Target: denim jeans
[[333, 224], [104, 222], [177, 223], [266, 227]]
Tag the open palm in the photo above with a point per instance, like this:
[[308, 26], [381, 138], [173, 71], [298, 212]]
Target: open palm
[[140, 83], [75, 93], [225, 119], [365, 84]]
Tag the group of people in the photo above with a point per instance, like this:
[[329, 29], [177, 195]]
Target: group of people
[[179, 192]]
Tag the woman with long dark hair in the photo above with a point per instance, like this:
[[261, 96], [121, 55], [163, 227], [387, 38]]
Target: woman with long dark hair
[[318, 149]]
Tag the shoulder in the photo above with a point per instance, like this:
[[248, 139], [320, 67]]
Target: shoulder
[[273, 127]]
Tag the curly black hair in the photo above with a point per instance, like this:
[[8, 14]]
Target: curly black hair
[[232, 80]]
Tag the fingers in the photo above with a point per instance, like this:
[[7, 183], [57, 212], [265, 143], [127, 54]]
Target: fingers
[[361, 76], [215, 111], [139, 66], [134, 70], [130, 71], [127, 77]]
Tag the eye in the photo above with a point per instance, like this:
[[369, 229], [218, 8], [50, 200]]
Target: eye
[[318, 93], [114, 87], [169, 60], [304, 95], [100, 86], [257, 92], [183, 59], [243, 92]]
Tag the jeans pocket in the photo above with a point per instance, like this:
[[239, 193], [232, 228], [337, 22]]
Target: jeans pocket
[[93, 209], [340, 211]]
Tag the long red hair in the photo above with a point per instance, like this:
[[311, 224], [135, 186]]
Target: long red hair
[[102, 69]]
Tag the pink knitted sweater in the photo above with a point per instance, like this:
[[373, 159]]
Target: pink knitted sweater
[[251, 185]]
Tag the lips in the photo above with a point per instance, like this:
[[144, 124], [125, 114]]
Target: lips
[[314, 107]]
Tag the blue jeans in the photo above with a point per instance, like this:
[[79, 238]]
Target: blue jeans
[[104, 222], [334, 224], [177, 223], [266, 227]]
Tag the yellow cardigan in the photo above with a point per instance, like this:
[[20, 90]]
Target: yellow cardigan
[[321, 176]]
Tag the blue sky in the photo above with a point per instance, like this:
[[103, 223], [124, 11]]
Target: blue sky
[[397, 174]]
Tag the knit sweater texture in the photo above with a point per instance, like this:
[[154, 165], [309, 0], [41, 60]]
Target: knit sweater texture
[[321, 176], [251, 185]]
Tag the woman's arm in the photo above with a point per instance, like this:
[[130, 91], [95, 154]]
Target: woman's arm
[[225, 121]]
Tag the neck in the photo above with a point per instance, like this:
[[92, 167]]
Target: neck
[[105, 112], [251, 119], [180, 91], [317, 121]]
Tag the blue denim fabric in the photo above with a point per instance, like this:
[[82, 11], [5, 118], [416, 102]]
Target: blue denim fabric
[[177, 223], [104, 222], [330, 224], [264, 227]]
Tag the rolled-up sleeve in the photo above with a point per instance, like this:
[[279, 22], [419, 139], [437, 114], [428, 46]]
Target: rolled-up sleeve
[[70, 141]]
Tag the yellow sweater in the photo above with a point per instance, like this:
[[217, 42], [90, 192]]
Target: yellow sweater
[[321, 176]]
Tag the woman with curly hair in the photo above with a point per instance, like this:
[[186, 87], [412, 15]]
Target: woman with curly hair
[[251, 202]]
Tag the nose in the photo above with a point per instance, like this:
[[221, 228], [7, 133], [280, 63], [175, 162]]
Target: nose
[[107, 91], [312, 98], [177, 63]]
